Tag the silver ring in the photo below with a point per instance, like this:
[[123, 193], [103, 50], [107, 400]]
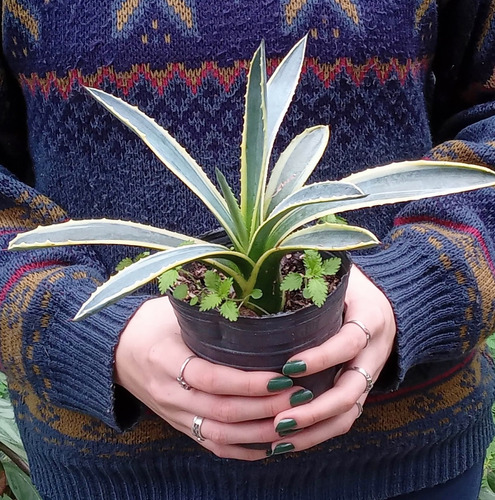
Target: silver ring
[[180, 378], [196, 428], [360, 409], [363, 327], [366, 375]]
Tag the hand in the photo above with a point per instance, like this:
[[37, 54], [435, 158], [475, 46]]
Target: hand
[[237, 406], [334, 412]]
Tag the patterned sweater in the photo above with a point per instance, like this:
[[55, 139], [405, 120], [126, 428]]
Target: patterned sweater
[[395, 80]]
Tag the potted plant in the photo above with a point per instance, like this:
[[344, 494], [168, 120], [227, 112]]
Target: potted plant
[[276, 214]]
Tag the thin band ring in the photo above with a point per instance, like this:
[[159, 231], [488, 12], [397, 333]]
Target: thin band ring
[[180, 378], [360, 409], [366, 375], [363, 327], [196, 428]]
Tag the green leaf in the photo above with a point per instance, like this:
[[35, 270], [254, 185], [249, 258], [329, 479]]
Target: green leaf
[[149, 268], [171, 154], [312, 263], [229, 310], [225, 287], [295, 165], [210, 301], [281, 87], [254, 161], [332, 219], [256, 294], [167, 280], [331, 266], [180, 291], [414, 180], [317, 290], [319, 192], [19, 483], [234, 209], [194, 300], [99, 232], [291, 282], [397, 182], [331, 237], [123, 263], [212, 280]]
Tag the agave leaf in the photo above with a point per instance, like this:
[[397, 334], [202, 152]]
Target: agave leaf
[[254, 163], [149, 268], [318, 193], [413, 180], [307, 199], [171, 154], [234, 209], [330, 237], [99, 232], [281, 87], [295, 165], [394, 183]]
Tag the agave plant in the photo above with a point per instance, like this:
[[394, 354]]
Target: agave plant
[[275, 209]]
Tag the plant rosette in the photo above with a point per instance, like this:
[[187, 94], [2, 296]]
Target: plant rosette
[[276, 213]]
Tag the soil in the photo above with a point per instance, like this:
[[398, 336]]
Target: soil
[[292, 262]]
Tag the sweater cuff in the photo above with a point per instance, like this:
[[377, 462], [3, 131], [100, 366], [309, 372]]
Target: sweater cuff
[[423, 298], [75, 363]]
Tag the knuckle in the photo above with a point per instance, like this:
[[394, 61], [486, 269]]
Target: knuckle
[[356, 342], [347, 403], [218, 436], [226, 412], [344, 426]]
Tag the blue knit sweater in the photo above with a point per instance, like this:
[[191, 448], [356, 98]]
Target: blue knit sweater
[[395, 80]]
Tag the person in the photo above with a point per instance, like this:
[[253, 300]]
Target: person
[[101, 412]]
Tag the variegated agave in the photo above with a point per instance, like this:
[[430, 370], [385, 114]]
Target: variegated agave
[[265, 224]]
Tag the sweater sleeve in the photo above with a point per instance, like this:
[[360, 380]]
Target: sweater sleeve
[[437, 264], [69, 364]]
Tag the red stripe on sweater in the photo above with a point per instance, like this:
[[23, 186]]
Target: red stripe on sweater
[[451, 225], [376, 398], [23, 270]]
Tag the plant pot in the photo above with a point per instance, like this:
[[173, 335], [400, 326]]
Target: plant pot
[[265, 342]]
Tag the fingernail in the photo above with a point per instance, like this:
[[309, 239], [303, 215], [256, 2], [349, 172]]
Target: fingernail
[[300, 397], [285, 424], [282, 448], [279, 384], [288, 432], [293, 367]]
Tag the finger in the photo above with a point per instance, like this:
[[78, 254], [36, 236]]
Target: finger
[[216, 379], [232, 409], [304, 439], [345, 345], [339, 400], [228, 434]]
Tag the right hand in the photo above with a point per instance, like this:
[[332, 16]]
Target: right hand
[[236, 405]]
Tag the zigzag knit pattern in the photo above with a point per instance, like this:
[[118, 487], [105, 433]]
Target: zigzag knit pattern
[[376, 75]]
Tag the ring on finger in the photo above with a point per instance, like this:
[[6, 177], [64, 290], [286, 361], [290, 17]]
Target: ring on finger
[[366, 375], [360, 409], [363, 327], [181, 378], [196, 428]]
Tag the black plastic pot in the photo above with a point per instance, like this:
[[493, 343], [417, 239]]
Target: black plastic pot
[[266, 342]]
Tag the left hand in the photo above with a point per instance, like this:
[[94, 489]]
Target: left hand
[[334, 412]]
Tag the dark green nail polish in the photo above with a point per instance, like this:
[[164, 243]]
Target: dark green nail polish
[[300, 397], [269, 452], [285, 424], [282, 448], [279, 384], [288, 432], [293, 367]]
